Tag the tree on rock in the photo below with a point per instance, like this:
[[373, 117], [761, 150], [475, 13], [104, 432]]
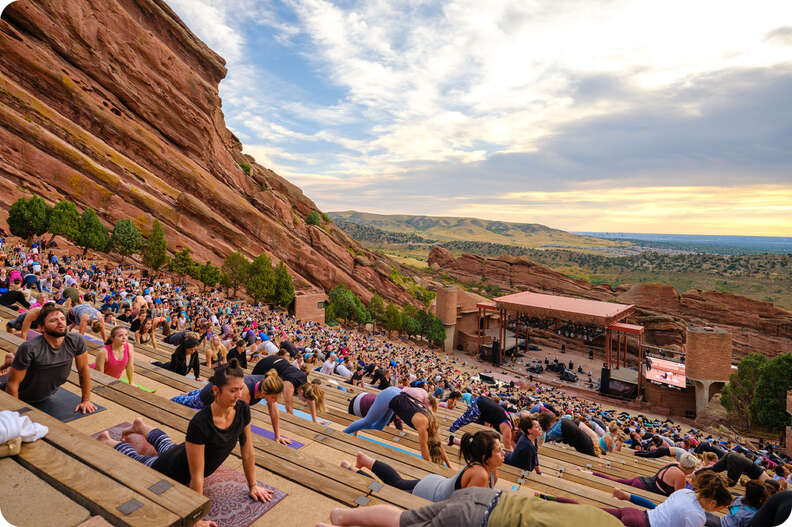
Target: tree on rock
[[210, 275], [182, 263], [126, 238], [738, 395], [235, 267], [769, 401], [93, 234], [377, 308], [393, 318], [283, 293], [155, 249], [347, 306], [65, 221], [436, 333], [260, 282], [29, 217], [313, 218]]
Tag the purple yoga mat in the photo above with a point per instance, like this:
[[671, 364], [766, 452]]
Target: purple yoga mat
[[231, 506], [271, 435]]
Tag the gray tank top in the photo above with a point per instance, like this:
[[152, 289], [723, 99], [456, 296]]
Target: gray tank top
[[438, 488]]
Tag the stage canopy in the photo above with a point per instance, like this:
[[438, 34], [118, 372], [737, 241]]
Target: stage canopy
[[577, 310]]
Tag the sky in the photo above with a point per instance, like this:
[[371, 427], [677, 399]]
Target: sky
[[590, 115]]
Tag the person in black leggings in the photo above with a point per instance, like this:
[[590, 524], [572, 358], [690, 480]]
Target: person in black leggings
[[735, 466], [576, 438], [775, 511]]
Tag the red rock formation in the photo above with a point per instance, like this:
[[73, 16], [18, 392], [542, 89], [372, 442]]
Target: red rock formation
[[756, 326], [114, 104]]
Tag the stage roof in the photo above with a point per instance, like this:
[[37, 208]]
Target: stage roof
[[626, 328], [564, 308]]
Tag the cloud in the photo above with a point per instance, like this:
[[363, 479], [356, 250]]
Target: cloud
[[412, 105], [781, 35]]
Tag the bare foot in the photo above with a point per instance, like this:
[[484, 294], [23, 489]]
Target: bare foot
[[105, 438], [346, 464], [363, 460], [138, 427]]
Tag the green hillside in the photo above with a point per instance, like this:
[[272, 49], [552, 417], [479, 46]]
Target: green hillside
[[442, 228]]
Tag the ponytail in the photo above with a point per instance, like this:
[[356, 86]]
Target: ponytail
[[313, 392], [711, 485], [478, 447], [271, 384]]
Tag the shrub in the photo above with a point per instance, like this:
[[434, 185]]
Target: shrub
[[245, 168], [313, 218]]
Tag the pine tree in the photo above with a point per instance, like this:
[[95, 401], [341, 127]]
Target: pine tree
[[126, 238], [284, 288], [210, 275], [93, 235], [29, 217], [65, 220], [260, 283], [155, 249], [236, 266]]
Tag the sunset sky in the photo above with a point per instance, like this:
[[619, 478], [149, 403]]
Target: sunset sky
[[666, 117]]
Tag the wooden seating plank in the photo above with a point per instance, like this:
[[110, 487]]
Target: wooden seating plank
[[94, 490], [180, 500]]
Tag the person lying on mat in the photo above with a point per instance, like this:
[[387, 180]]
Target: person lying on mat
[[267, 387], [483, 454], [294, 381], [211, 437], [42, 364], [117, 356]]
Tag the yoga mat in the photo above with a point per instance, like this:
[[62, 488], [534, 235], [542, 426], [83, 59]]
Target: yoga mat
[[114, 431], [149, 390], [61, 405], [269, 434], [389, 446], [301, 414], [231, 506], [93, 339]]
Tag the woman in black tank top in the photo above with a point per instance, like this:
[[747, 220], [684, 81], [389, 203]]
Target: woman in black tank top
[[294, 381]]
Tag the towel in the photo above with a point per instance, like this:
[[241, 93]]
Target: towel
[[13, 425]]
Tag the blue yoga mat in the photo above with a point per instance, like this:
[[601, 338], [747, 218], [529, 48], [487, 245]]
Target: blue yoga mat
[[390, 446], [301, 414], [269, 434], [61, 405]]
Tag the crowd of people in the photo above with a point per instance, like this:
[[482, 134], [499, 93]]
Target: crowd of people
[[62, 300]]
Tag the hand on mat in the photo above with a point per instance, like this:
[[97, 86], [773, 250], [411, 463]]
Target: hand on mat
[[86, 407], [283, 441], [260, 494], [206, 523]]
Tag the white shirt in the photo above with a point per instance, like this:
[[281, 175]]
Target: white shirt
[[343, 371], [271, 348], [328, 366], [680, 509]]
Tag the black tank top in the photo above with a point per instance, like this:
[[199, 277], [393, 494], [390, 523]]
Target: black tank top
[[656, 483], [285, 370], [406, 406]]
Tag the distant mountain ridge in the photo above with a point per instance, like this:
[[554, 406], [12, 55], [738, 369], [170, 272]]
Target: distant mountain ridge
[[447, 228]]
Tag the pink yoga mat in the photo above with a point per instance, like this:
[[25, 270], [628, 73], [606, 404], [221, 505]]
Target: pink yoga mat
[[231, 506]]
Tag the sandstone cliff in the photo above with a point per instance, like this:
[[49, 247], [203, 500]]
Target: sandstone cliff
[[114, 104], [755, 325]]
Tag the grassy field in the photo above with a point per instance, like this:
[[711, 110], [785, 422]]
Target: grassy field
[[439, 228], [772, 289]]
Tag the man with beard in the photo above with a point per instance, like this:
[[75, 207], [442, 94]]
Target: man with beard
[[42, 364]]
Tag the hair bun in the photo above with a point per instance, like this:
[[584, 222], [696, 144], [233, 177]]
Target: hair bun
[[233, 363]]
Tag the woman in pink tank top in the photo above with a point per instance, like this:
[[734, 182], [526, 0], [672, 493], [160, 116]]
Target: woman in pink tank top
[[107, 359]]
